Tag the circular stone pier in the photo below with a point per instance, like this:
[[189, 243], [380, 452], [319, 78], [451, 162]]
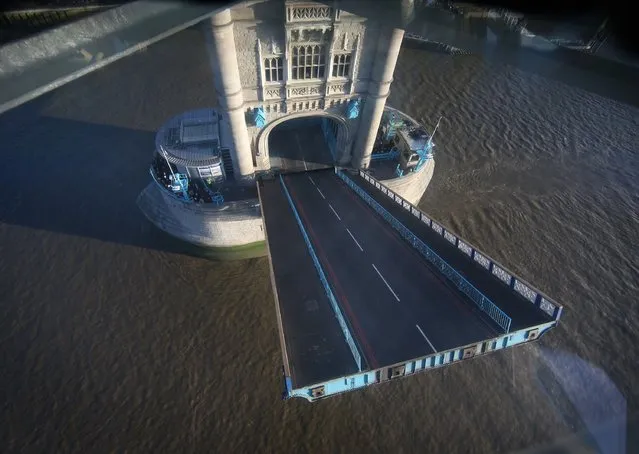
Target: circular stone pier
[[195, 196]]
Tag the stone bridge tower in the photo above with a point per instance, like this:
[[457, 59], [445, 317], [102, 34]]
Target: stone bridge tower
[[275, 60]]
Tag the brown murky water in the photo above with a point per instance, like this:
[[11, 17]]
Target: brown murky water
[[114, 339]]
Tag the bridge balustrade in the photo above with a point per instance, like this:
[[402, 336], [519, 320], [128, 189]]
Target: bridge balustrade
[[495, 268], [483, 302]]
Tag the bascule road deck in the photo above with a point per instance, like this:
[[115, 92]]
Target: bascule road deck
[[397, 306], [312, 341], [523, 313]]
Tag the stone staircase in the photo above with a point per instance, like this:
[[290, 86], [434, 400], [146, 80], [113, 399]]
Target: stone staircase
[[228, 162]]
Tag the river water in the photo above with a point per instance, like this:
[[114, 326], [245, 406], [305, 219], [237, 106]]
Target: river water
[[114, 339]]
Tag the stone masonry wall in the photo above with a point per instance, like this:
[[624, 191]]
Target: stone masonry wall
[[413, 185], [245, 35], [197, 224]]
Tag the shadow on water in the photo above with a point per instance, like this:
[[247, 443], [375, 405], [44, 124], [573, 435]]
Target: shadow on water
[[79, 179]]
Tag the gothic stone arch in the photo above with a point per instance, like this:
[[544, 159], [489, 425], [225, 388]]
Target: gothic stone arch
[[343, 136]]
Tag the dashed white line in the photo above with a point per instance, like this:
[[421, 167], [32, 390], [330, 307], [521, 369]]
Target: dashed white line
[[299, 145], [429, 343], [334, 212], [360, 248], [318, 190], [312, 181], [385, 282]]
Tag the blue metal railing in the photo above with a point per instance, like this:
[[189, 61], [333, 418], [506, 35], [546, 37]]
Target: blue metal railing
[[393, 154], [338, 313], [167, 190], [236, 210], [500, 272], [483, 302]]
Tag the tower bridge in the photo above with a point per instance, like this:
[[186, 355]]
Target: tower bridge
[[302, 154], [368, 288], [300, 85], [278, 61]]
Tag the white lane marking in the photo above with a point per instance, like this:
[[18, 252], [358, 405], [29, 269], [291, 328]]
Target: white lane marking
[[312, 181], [385, 282], [318, 190], [334, 212], [299, 145], [429, 343], [360, 248]]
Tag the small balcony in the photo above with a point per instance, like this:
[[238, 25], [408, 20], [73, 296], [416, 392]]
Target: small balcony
[[312, 12], [339, 87]]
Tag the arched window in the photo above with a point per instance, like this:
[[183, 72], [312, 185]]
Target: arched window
[[342, 65], [273, 69], [308, 62]]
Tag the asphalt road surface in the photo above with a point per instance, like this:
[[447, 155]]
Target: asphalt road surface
[[398, 307], [522, 312], [299, 145], [315, 348]]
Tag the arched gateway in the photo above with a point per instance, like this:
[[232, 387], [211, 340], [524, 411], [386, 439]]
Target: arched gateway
[[310, 69], [299, 59], [317, 138]]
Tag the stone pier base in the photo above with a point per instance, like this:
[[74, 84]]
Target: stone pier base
[[229, 226], [412, 186]]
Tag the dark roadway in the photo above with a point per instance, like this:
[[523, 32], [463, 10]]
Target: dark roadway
[[315, 348], [397, 306], [522, 312], [299, 145]]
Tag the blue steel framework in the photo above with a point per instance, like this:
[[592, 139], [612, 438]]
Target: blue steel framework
[[163, 188], [389, 155], [249, 205], [439, 359], [483, 302], [338, 313]]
